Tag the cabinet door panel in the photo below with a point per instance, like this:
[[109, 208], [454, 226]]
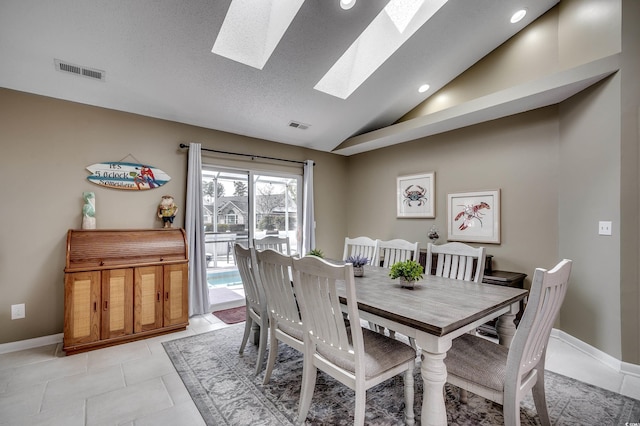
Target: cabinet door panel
[[117, 303], [176, 294], [81, 313], [148, 298]]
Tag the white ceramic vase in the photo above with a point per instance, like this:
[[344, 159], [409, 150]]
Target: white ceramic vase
[[404, 282]]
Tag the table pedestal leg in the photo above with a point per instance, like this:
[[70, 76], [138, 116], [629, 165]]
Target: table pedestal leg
[[506, 329], [434, 376]]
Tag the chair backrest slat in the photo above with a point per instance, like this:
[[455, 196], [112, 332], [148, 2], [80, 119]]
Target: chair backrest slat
[[397, 250], [468, 270], [456, 260]]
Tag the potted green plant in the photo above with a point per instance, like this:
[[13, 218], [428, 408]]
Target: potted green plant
[[316, 252], [409, 271], [358, 263]]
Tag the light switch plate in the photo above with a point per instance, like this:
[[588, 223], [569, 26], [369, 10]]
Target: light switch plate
[[17, 311], [604, 227]]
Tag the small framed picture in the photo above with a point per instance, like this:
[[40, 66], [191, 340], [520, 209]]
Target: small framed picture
[[474, 216], [416, 196]]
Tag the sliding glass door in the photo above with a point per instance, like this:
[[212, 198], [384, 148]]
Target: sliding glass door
[[240, 205], [225, 199], [276, 205]]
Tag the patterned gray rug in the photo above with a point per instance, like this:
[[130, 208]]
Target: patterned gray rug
[[225, 390]]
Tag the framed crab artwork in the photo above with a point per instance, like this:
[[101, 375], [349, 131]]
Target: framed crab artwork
[[416, 196], [474, 216]]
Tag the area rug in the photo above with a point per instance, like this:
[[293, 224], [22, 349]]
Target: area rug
[[233, 315], [225, 389]]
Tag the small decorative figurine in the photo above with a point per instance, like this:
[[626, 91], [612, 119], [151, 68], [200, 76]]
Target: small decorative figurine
[[89, 210], [433, 234], [167, 210]]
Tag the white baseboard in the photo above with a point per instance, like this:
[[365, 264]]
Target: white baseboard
[[606, 359], [630, 369], [31, 343]]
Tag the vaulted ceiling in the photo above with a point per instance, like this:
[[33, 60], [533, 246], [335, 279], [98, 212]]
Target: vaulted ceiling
[[155, 57]]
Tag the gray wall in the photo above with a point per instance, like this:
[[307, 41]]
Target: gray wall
[[589, 189], [518, 155], [46, 145], [630, 181]]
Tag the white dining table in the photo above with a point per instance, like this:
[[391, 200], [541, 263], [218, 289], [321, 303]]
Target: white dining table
[[434, 312]]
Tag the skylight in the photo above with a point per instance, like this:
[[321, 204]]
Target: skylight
[[393, 26], [252, 30]]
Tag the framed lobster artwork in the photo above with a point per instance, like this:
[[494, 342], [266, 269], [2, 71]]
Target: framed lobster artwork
[[474, 216], [416, 196]]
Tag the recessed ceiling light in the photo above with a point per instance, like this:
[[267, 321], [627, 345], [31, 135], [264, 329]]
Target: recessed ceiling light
[[347, 4], [517, 17], [423, 88]]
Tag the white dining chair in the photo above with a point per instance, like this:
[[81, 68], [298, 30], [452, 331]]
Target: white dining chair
[[255, 300], [285, 324], [355, 356], [456, 260], [275, 242], [397, 250], [363, 247], [505, 375]]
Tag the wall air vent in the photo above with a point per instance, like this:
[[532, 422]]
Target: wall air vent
[[80, 70], [298, 125]]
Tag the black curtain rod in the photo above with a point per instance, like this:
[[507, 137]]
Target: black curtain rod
[[182, 145]]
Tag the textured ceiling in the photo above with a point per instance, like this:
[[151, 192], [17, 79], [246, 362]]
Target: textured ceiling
[[158, 62]]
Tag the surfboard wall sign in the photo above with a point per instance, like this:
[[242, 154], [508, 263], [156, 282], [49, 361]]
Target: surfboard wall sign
[[129, 176]]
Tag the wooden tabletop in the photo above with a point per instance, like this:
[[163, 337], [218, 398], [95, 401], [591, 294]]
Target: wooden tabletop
[[435, 305]]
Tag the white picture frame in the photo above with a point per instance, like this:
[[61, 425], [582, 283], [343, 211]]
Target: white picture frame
[[416, 196], [474, 216]]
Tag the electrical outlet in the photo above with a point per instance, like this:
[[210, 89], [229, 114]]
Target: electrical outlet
[[604, 228], [17, 311]]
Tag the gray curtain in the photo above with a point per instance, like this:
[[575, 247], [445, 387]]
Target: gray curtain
[[194, 226], [308, 219]]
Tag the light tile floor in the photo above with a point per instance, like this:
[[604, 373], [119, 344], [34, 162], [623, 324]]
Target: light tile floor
[[136, 384]]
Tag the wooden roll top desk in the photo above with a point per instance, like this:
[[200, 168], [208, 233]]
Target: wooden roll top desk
[[124, 285]]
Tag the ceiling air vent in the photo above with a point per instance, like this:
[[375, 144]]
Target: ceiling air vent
[[299, 125], [80, 70]]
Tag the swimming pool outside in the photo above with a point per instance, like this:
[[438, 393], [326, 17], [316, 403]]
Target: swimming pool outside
[[226, 278]]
